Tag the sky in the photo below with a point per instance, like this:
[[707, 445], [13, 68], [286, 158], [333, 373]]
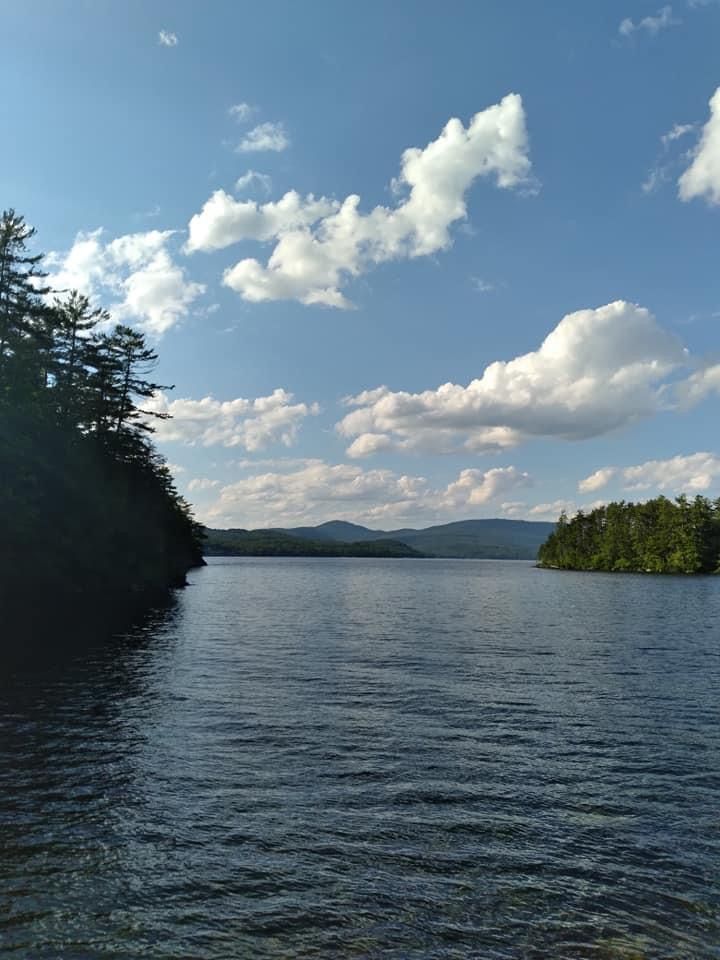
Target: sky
[[403, 263]]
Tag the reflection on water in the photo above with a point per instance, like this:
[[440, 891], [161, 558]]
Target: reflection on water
[[368, 758]]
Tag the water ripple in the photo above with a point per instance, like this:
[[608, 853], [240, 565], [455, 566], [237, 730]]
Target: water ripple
[[372, 759]]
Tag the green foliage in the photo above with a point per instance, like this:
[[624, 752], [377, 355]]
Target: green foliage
[[659, 536], [90, 513]]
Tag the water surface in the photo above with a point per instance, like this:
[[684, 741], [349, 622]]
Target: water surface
[[373, 759]]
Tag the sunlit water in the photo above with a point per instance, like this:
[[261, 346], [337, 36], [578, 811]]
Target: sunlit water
[[373, 758]]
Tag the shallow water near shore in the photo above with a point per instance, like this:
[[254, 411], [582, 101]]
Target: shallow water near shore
[[400, 759]]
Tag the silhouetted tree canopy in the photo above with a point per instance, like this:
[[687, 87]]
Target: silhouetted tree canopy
[[90, 511]]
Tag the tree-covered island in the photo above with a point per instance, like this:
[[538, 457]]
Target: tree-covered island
[[658, 536], [92, 525]]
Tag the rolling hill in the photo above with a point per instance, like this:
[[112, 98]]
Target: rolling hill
[[465, 539]]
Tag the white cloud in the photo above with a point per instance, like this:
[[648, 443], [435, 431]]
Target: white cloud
[[551, 511], [597, 480], [596, 371], [249, 424], [167, 39], [314, 258], [702, 177], [676, 132], [251, 177], [482, 286], [473, 487], [698, 385], [224, 220], [664, 166], [652, 25], [202, 484], [655, 178], [264, 137], [241, 112], [694, 473], [134, 276], [318, 491]]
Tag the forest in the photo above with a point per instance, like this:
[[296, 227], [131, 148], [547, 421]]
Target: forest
[[658, 536], [92, 522]]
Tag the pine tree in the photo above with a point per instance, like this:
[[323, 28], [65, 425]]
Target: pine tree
[[22, 313]]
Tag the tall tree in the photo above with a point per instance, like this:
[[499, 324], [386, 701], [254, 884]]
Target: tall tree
[[22, 310], [74, 320]]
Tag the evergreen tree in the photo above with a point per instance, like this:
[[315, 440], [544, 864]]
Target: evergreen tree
[[22, 312], [658, 536]]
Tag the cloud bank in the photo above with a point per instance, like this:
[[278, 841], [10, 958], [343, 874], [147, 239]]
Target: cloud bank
[[318, 490], [249, 424], [693, 473], [598, 370]]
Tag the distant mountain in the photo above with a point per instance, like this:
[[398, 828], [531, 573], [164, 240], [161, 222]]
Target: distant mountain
[[277, 543], [468, 539], [336, 530], [479, 539]]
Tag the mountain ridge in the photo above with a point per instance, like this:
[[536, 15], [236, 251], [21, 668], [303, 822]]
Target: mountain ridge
[[492, 538]]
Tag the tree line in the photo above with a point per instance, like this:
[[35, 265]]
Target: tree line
[[658, 536], [78, 469]]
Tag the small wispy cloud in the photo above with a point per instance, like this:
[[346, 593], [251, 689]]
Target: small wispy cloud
[[482, 286], [664, 165], [679, 130], [167, 39], [265, 136], [241, 112], [252, 176], [652, 25]]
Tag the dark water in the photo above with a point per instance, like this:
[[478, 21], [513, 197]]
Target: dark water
[[361, 758]]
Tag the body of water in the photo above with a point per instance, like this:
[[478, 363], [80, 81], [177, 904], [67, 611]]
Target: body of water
[[372, 759]]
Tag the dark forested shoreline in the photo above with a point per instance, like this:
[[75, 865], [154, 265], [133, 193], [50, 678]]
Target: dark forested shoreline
[[93, 527], [658, 536]]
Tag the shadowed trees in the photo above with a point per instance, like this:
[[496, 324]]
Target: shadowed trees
[[90, 510]]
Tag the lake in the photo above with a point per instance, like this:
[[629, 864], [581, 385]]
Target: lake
[[372, 759]]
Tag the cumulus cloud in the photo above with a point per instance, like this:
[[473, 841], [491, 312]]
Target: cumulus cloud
[[241, 112], [265, 137], [596, 371], [249, 424], [317, 491], [693, 473], [474, 487], [134, 275], [317, 253], [167, 39], [651, 25], [702, 177], [252, 176], [224, 220], [597, 480]]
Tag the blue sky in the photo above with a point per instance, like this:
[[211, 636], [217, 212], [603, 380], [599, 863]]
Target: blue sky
[[586, 187]]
